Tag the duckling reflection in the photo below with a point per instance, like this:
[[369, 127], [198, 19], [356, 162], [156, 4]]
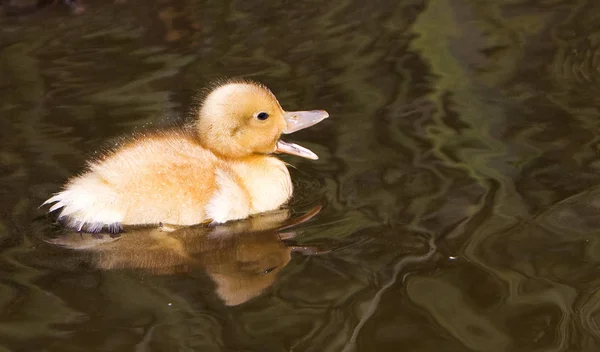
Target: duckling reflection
[[241, 257]]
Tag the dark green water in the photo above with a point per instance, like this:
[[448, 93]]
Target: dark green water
[[459, 176]]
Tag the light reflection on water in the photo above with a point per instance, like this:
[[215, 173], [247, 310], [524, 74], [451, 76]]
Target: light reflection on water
[[458, 175]]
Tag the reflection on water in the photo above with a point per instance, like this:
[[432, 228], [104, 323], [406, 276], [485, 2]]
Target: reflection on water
[[241, 257], [459, 177]]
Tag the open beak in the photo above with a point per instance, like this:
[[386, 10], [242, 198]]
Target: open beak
[[298, 120]]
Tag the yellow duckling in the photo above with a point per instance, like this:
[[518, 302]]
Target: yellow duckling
[[216, 170]]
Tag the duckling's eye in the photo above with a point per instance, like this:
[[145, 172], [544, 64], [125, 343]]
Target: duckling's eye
[[262, 116]]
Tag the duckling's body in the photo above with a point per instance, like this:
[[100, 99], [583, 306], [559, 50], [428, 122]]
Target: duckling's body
[[202, 173]]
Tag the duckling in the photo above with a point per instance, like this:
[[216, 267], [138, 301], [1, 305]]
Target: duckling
[[217, 169]]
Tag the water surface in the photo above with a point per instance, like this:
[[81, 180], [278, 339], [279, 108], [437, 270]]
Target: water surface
[[459, 177]]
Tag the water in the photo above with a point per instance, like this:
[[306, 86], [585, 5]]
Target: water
[[458, 178]]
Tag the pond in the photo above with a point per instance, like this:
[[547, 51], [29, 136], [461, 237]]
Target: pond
[[454, 206]]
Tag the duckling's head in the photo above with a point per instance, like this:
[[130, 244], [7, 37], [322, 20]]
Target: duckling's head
[[240, 119]]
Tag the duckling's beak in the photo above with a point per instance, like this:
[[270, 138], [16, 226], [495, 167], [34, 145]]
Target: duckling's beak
[[296, 121], [299, 120]]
